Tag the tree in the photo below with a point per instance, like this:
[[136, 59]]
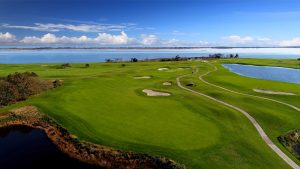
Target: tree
[[177, 58], [218, 55], [236, 56], [134, 60], [108, 60]]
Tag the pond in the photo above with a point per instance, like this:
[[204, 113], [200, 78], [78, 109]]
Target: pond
[[266, 72], [24, 147]]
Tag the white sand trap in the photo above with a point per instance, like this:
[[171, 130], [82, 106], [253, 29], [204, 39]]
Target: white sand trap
[[167, 83], [155, 93], [273, 92], [142, 77], [163, 69]]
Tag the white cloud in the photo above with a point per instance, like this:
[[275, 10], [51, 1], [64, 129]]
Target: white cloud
[[291, 42], [105, 38], [50, 27], [101, 39], [264, 39], [122, 39], [149, 39], [238, 39], [172, 42], [179, 43], [179, 33], [246, 41], [7, 37], [48, 38]]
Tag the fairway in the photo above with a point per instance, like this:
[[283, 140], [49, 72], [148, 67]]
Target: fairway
[[105, 104]]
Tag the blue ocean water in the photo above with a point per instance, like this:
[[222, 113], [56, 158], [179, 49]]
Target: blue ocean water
[[100, 55]]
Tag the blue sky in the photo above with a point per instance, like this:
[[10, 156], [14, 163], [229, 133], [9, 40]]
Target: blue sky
[[150, 22]]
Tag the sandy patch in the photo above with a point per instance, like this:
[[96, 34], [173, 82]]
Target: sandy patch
[[167, 83], [273, 92], [155, 93], [142, 77], [163, 69]]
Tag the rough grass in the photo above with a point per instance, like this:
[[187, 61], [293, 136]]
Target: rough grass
[[104, 104]]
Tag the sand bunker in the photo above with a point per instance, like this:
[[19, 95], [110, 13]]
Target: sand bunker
[[272, 92], [163, 69], [142, 77], [155, 93], [167, 83]]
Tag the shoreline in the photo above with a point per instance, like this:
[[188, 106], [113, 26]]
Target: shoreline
[[83, 151]]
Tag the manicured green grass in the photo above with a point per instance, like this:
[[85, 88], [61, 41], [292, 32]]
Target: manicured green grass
[[104, 104]]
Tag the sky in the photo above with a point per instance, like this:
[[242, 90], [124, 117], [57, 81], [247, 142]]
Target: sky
[[153, 23]]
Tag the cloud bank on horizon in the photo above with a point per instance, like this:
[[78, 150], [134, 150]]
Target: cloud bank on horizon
[[146, 23], [122, 39]]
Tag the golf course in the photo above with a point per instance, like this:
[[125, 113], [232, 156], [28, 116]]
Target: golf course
[[194, 112]]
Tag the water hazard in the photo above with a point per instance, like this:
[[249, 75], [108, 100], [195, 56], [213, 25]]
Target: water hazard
[[266, 72], [24, 147]]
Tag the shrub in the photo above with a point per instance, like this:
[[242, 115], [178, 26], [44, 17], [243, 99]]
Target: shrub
[[19, 86], [85, 66], [26, 83], [8, 93], [57, 83], [63, 66]]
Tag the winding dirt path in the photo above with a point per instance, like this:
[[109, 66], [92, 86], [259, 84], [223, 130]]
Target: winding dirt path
[[260, 97], [259, 129]]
